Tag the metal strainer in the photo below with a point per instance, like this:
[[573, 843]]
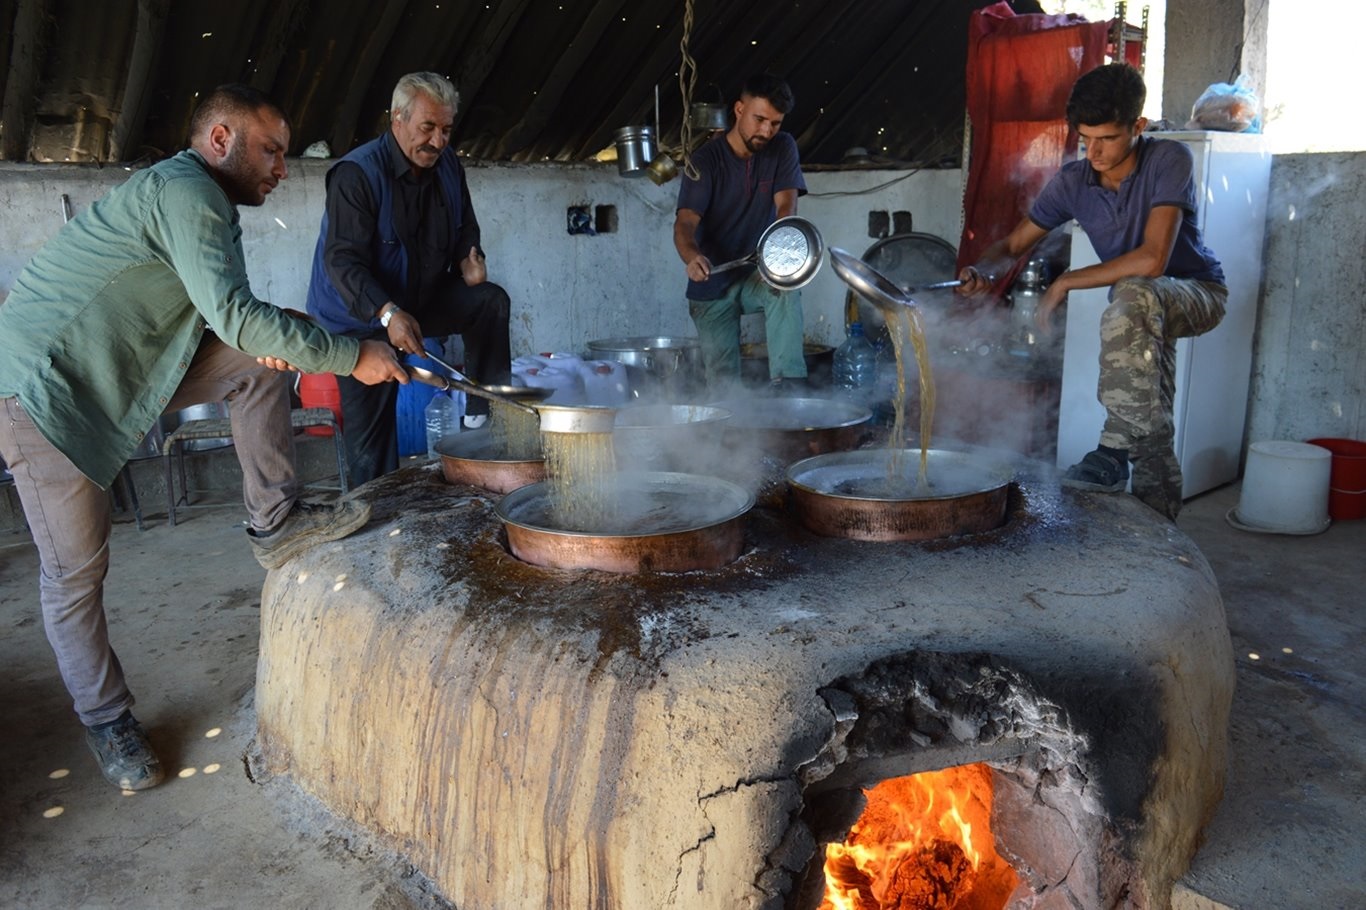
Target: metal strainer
[[788, 254]]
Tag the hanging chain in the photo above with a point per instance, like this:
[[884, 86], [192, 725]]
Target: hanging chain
[[687, 81]]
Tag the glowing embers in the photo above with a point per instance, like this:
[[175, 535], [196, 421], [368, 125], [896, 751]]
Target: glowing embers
[[923, 842]]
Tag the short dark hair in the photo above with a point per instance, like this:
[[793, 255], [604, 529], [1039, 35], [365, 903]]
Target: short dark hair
[[232, 100], [1113, 93], [769, 87]]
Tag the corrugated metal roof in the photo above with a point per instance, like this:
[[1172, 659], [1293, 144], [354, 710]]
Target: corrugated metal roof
[[116, 80]]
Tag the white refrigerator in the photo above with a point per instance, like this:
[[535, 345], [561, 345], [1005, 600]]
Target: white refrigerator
[[1213, 371]]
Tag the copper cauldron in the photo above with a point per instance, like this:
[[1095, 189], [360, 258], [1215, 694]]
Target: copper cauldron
[[862, 496], [473, 458], [662, 521]]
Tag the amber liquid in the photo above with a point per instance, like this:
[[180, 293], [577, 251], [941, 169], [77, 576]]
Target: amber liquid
[[579, 470], [516, 434], [906, 327]]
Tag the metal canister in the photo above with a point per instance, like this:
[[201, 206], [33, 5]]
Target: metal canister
[[1024, 297], [635, 149]]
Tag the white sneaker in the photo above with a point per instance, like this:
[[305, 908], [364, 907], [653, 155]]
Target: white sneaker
[[475, 421]]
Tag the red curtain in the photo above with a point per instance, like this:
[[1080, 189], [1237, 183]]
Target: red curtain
[[1020, 72]]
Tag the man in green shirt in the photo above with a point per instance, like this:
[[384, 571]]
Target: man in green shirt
[[141, 305]]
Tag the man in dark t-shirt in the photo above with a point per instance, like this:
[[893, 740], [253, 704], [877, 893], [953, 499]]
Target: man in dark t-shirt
[[1134, 195], [748, 178]]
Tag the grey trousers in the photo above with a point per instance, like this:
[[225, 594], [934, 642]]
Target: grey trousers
[[69, 515]]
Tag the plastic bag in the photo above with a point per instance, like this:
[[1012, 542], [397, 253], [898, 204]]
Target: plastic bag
[[1228, 108]]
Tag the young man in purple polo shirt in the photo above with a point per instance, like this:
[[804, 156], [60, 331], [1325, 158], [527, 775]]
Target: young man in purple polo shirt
[[748, 178], [1134, 195]]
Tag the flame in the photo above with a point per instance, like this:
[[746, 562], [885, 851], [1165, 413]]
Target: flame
[[923, 841]]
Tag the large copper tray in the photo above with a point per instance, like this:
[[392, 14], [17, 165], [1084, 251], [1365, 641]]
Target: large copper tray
[[852, 495], [793, 428], [668, 522], [472, 458]]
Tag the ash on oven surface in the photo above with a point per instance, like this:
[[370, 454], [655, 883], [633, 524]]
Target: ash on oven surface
[[643, 616]]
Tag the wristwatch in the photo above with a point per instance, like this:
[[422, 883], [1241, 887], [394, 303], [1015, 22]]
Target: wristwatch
[[387, 314]]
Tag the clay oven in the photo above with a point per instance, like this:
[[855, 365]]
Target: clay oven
[[551, 738]]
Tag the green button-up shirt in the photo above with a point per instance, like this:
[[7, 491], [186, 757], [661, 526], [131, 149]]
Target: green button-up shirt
[[100, 327]]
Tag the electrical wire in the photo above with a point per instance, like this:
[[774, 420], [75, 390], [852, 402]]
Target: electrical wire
[[864, 192]]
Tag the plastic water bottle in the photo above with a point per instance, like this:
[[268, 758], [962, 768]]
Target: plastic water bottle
[[442, 417], [856, 364]]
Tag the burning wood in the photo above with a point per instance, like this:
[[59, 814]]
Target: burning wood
[[922, 843]]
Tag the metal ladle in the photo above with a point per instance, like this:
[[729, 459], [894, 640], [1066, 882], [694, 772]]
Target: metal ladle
[[875, 287], [788, 254], [445, 384], [554, 418]]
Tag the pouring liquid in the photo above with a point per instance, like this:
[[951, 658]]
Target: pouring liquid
[[579, 469], [906, 327], [515, 433]]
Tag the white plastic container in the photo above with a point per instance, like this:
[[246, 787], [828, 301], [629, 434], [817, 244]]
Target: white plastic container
[[1285, 488], [605, 383], [441, 418], [564, 381]]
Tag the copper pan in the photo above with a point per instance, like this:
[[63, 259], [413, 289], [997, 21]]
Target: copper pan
[[849, 494], [668, 522], [792, 428], [472, 458]]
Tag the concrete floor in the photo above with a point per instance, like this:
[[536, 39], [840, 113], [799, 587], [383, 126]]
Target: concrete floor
[[184, 608]]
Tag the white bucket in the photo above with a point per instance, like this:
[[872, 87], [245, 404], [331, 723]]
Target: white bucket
[[1285, 488]]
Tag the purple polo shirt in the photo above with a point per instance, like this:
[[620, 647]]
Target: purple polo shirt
[[1114, 220], [734, 196]]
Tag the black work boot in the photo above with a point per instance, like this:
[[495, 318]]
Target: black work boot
[[1105, 470]]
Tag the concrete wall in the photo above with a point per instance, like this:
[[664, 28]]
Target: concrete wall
[[1309, 367], [1210, 41], [566, 289]]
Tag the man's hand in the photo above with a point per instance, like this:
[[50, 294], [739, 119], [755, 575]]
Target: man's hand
[[405, 333], [472, 268], [275, 363], [1050, 301], [699, 268], [377, 364], [975, 281]]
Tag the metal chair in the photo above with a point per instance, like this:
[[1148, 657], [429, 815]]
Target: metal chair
[[216, 428]]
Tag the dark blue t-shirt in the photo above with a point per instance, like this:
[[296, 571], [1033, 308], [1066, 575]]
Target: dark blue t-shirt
[[734, 196], [1115, 220]]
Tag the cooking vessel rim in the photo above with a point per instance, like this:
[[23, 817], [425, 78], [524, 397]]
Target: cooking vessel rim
[[531, 490], [476, 438], [859, 413], [875, 287], [998, 473], [815, 253]]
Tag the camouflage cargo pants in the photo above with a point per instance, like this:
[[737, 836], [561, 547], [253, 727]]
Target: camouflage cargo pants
[[1138, 333]]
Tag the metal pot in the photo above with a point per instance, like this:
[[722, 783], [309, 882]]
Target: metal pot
[[556, 418], [705, 116], [787, 256], [657, 362], [667, 522], [793, 428], [635, 149], [668, 437], [472, 458], [819, 359], [849, 494]]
